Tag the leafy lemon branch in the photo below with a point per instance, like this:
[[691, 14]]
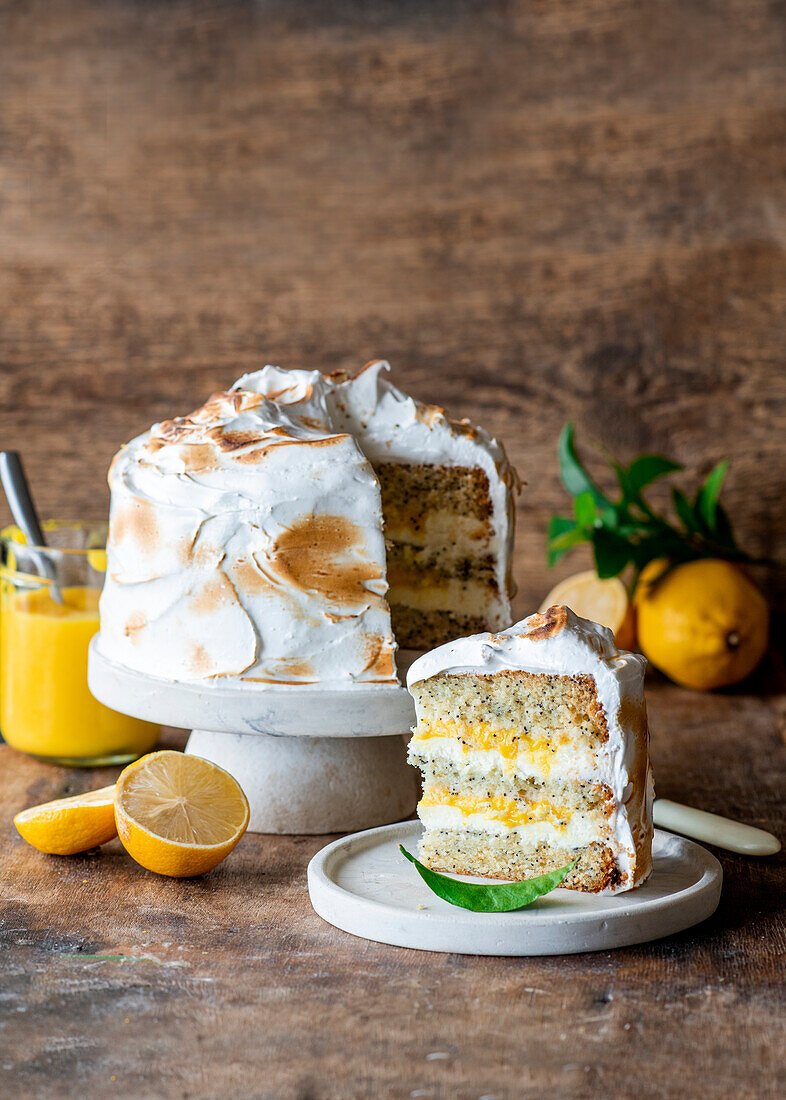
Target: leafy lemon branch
[[628, 531]]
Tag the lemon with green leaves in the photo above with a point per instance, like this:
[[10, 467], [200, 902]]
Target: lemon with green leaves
[[699, 617]]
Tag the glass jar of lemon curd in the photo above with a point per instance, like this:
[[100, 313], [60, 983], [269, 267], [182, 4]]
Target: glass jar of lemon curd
[[48, 614]]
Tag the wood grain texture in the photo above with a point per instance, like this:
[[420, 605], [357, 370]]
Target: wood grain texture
[[118, 982], [536, 210]]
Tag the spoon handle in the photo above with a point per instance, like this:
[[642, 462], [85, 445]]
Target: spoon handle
[[20, 501], [714, 829]]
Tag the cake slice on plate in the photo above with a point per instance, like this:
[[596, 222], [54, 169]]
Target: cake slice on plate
[[533, 747]]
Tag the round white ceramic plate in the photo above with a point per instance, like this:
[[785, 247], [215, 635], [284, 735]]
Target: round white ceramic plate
[[363, 885], [370, 710]]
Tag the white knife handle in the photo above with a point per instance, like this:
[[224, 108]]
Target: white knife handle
[[713, 829]]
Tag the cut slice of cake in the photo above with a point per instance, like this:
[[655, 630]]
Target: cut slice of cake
[[533, 745]]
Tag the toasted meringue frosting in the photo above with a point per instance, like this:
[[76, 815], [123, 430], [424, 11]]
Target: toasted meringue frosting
[[560, 643], [246, 543]]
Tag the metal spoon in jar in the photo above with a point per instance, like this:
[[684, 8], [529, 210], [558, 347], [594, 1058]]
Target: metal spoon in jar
[[23, 510]]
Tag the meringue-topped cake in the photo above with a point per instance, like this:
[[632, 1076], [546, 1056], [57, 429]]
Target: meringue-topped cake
[[533, 744], [266, 538]]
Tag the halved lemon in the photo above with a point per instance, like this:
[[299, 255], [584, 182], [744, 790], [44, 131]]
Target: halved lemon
[[179, 815], [602, 601], [70, 825]]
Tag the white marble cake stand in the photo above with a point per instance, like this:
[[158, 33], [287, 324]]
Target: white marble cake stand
[[363, 885], [309, 760]]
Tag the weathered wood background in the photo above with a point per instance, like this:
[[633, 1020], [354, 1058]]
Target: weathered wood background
[[537, 210]]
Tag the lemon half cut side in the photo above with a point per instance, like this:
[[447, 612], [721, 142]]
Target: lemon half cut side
[[601, 601], [179, 815]]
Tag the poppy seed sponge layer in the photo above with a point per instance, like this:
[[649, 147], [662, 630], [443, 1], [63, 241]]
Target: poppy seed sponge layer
[[533, 747]]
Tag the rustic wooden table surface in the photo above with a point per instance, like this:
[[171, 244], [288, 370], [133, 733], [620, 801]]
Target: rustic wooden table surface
[[537, 209], [116, 982]]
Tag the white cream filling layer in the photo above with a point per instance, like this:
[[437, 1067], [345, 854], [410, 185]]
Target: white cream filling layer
[[578, 832], [568, 761], [444, 528], [460, 596]]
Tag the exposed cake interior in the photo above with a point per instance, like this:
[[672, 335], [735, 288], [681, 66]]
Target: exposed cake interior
[[497, 753], [442, 552], [520, 776]]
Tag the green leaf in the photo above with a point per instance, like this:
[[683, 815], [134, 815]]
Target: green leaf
[[612, 552], [574, 477], [629, 530], [563, 536], [570, 538], [610, 517], [684, 509], [723, 529], [560, 525], [648, 468], [585, 509], [657, 545], [707, 497], [497, 898], [557, 553]]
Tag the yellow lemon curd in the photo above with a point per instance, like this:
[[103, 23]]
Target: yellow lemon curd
[[513, 746], [507, 811], [45, 706]]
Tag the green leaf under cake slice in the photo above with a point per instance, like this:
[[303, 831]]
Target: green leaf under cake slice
[[501, 897]]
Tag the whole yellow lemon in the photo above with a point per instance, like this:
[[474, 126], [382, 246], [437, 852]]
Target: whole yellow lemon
[[704, 623]]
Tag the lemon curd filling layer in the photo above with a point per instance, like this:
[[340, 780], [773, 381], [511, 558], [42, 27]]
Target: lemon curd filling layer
[[509, 812], [537, 753]]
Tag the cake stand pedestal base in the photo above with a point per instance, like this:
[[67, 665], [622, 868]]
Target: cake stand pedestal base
[[314, 784]]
